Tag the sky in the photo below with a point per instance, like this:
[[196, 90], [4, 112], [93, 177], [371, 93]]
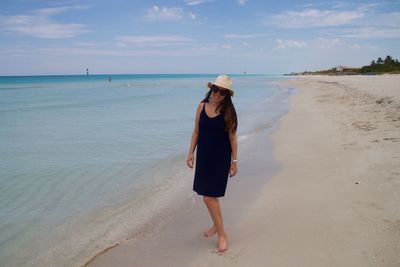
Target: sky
[[194, 36]]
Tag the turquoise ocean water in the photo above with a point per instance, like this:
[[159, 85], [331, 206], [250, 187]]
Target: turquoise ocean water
[[82, 157]]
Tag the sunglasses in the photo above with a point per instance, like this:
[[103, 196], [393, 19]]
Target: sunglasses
[[216, 89]]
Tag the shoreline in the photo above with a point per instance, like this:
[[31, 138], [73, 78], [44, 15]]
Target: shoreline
[[187, 218], [334, 201], [192, 216], [158, 233]]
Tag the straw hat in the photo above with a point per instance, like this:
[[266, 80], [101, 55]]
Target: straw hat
[[223, 81]]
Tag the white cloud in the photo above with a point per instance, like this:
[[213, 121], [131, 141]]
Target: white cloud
[[372, 33], [313, 18], [383, 20], [309, 5], [191, 15], [91, 44], [226, 46], [320, 45], [242, 2], [244, 36], [328, 43], [373, 26], [197, 2], [337, 44], [217, 27], [51, 11], [157, 13], [164, 13], [153, 40], [283, 44], [144, 51], [41, 25], [367, 7]]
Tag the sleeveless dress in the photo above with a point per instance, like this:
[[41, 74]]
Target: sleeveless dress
[[213, 156]]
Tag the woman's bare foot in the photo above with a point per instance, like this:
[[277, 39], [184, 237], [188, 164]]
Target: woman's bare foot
[[222, 243], [210, 231]]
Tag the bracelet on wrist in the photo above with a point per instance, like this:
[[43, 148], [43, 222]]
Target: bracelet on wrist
[[234, 161]]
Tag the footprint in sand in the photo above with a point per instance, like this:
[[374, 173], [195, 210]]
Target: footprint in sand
[[364, 125], [393, 139]]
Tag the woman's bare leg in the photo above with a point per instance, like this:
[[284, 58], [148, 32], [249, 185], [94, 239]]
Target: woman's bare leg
[[216, 215], [213, 229]]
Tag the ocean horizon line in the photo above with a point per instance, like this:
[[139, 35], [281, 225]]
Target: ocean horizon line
[[141, 74]]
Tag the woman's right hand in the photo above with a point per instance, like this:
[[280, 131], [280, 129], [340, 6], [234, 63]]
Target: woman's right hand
[[190, 160]]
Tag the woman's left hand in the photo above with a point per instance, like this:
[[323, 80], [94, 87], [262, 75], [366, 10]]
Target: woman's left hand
[[233, 170]]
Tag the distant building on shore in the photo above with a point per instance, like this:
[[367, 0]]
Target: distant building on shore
[[339, 68]]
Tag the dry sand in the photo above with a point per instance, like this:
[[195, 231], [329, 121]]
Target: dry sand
[[336, 201]]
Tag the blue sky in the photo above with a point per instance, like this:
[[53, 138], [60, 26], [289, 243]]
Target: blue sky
[[193, 36]]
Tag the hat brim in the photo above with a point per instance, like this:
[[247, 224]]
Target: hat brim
[[211, 84]]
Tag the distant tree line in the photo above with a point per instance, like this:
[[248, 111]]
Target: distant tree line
[[380, 66], [387, 65]]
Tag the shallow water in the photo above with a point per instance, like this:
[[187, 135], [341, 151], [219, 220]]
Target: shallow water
[[81, 157]]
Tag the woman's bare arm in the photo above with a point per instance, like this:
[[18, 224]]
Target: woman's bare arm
[[195, 135], [233, 141]]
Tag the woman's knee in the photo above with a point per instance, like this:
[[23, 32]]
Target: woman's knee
[[209, 200]]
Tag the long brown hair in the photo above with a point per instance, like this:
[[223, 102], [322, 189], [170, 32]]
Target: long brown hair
[[228, 109]]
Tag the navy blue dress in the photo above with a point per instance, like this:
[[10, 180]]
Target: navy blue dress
[[213, 156]]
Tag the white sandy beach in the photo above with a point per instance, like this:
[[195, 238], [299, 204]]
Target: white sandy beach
[[335, 201]]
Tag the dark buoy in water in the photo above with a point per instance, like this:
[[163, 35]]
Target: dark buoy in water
[[109, 79], [87, 72]]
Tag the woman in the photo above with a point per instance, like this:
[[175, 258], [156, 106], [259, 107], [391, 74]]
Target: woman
[[214, 135]]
